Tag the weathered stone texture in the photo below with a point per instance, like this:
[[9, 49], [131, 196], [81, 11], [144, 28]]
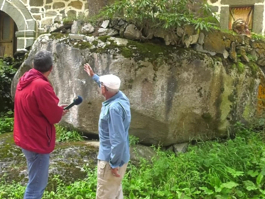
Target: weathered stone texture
[[36, 3], [50, 13], [175, 97], [76, 4], [58, 5], [35, 10], [37, 17], [214, 42], [46, 22], [214, 8], [257, 16], [71, 13], [241, 2], [48, 7]]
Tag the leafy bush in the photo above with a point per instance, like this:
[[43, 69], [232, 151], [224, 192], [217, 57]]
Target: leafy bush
[[233, 169], [6, 125], [133, 140], [162, 13], [7, 73], [6, 122], [64, 135]]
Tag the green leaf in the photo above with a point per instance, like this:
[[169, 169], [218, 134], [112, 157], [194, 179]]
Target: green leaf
[[206, 190], [229, 185], [250, 186], [259, 179], [253, 173]]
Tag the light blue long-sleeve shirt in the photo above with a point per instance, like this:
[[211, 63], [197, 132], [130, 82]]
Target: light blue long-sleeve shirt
[[113, 127]]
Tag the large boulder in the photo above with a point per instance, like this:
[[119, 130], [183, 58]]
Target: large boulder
[[176, 94]]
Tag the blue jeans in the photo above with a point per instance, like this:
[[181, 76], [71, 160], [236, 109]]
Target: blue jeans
[[38, 171]]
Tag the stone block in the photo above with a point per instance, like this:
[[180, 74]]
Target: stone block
[[224, 17], [29, 41], [76, 36], [180, 148], [36, 3], [257, 19], [20, 6], [31, 24], [51, 14], [214, 8], [241, 2], [76, 4], [58, 5], [20, 43], [46, 22], [34, 10], [213, 41], [25, 33], [48, 7], [71, 13], [37, 17]]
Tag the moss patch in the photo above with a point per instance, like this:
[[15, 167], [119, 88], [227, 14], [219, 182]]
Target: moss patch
[[67, 161], [254, 68], [240, 67], [57, 35], [103, 38], [83, 45], [207, 117]]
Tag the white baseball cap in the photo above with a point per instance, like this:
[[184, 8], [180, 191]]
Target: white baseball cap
[[110, 81]]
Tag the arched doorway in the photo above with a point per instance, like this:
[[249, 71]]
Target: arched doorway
[[25, 29], [8, 41]]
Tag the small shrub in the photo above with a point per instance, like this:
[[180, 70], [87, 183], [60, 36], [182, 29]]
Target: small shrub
[[162, 13], [64, 135], [6, 125], [7, 73], [133, 140]]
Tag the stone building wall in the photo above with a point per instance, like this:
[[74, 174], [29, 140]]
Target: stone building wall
[[221, 7], [34, 17]]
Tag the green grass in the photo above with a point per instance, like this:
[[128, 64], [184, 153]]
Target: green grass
[[218, 169]]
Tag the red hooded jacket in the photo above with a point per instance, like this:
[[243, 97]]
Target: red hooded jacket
[[36, 112]]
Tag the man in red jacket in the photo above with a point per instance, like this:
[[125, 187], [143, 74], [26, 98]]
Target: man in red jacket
[[36, 112]]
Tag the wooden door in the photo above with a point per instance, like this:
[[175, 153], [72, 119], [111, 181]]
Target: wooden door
[[7, 35]]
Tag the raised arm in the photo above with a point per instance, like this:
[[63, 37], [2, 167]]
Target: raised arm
[[91, 73]]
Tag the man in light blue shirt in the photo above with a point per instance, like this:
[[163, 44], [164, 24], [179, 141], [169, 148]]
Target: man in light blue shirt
[[113, 127]]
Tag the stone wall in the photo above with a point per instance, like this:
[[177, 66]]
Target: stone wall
[[47, 12], [34, 17], [221, 8]]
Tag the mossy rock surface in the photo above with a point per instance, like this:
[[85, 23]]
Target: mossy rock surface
[[66, 161]]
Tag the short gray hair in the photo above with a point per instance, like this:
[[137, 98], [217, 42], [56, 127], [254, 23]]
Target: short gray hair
[[43, 61]]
